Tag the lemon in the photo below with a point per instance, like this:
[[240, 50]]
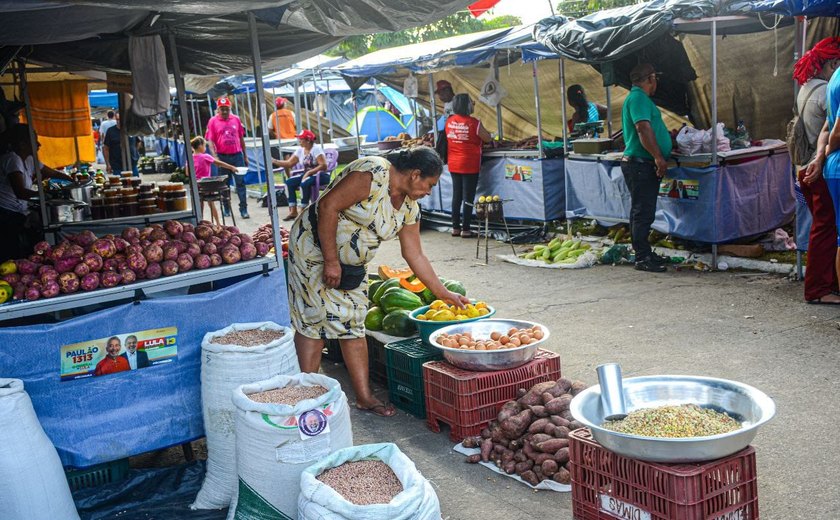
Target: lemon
[[482, 199], [496, 198], [483, 312]]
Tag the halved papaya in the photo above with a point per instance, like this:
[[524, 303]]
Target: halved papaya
[[414, 285], [386, 272]]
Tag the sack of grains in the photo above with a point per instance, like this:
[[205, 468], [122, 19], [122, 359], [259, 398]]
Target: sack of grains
[[284, 425], [336, 489], [33, 481], [231, 357]]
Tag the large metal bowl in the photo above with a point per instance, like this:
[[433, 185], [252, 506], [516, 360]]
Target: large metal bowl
[[746, 404], [488, 360]]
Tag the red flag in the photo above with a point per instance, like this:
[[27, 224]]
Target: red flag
[[482, 6]]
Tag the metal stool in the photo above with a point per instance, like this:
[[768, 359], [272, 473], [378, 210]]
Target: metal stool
[[216, 189]]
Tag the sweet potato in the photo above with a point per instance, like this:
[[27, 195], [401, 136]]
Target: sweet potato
[[551, 445], [498, 448], [537, 469], [485, 433], [539, 410], [550, 467], [530, 477], [559, 421], [522, 467], [504, 442], [549, 429], [530, 399], [486, 448], [520, 392], [542, 457], [473, 459], [539, 438], [565, 384], [562, 476], [509, 467], [562, 455], [507, 456], [558, 404], [578, 387], [509, 409], [471, 442], [538, 425], [574, 425], [515, 426], [566, 414], [515, 444], [496, 433], [561, 432], [546, 397], [529, 451], [520, 456]]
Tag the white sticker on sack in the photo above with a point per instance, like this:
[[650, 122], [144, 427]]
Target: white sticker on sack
[[298, 452]]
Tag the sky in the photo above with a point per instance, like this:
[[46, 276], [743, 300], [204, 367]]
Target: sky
[[529, 11]]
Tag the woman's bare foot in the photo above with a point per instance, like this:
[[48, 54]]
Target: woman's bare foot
[[377, 407]]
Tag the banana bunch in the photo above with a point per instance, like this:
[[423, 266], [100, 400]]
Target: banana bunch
[[558, 251]]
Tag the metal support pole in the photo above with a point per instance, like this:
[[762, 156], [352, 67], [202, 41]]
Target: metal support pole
[[125, 152], [185, 124], [537, 104], [609, 111], [235, 104], [376, 112], [563, 105], [416, 119], [356, 119], [433, 105], [329, 111], [266, 146], [198, 118], [499, 123], [33, 141], [76, 148], [210, 105], [251, 116], [191, 101], [317, 112], [714, 100], [306, 107], [298, 120]]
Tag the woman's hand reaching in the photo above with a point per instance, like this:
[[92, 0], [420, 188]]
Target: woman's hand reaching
[[453, 298]]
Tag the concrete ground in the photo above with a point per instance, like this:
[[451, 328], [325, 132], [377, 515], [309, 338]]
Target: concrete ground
[[748, 327]]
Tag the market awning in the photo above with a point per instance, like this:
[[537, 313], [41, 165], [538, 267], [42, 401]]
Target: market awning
[[797, 7]]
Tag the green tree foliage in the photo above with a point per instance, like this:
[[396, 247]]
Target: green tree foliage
[[458, 23], [579, 8]]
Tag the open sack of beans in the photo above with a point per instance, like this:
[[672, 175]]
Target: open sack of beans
[[32, 481], [369, 482], [284, 425], [239, 354]]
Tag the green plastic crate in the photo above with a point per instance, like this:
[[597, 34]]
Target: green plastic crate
[[97, 475], [332, 351], [404, 360], [376, 361]]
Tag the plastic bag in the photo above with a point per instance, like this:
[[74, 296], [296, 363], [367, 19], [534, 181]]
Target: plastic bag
[[34, 485], [223, 369], [417, 501], [690, 140], [722, 140], [410, 86], [275, 443], [492, 92]]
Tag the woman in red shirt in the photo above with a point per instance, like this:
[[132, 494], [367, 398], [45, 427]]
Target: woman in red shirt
[[464, 137]]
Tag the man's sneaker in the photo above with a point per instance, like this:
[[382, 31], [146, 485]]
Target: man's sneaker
[[244, 215], [661, 260], [651, 266], [225, 212]]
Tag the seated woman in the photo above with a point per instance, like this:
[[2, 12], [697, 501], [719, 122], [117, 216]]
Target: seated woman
[[585, 111], [311, 157]]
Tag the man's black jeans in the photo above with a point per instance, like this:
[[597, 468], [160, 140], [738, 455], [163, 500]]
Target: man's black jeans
[[643, 184]]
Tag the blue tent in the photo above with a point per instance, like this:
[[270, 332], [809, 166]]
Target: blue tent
[[797, 7], [388, 124], [102, 99]]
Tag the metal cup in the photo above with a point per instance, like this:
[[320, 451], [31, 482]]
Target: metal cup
[[612, 391]]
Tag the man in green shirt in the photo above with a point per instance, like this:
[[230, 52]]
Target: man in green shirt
[[648, 146]]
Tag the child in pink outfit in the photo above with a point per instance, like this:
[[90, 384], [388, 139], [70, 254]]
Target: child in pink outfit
[[202, 161]]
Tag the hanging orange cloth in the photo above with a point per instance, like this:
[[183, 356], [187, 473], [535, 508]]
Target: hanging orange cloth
[[60, 108]]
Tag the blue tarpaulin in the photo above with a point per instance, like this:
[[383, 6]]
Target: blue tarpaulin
[[100, 419], [797, 7], [733, 200], [103, 99]]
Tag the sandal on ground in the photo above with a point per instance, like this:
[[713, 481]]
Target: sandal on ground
[[382, 410], [290, 217], [820, 301], [468, 234], [456, 232]]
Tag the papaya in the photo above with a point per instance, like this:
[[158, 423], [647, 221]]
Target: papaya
[[456, 287], [372, 288], [398, 298], [374, 317], [386, 272], [415, 285], [398, 323], [387, 284], [427, 296]]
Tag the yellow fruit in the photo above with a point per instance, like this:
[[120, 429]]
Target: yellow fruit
[[421, 317], [474, 313], [6, 292], [483, 312], [496, 198], [444, 316], [8, 267], [480, 305], [437, 304], [482, 199], [461, 317]]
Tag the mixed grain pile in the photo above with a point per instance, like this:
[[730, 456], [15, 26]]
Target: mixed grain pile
[[687, 420], [249, 338], [364, 482], [290, 395]]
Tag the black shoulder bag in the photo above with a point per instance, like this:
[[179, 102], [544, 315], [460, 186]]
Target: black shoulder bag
[[352, 276]]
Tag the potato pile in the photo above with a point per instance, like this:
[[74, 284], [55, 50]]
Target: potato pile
[[530, 435], [497, 340]]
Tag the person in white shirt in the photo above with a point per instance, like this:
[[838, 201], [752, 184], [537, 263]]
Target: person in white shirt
[[314, 162], [108, 123], [136, 358]]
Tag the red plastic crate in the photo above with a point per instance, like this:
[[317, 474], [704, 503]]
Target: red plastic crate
[[607, 486], [468, 401]]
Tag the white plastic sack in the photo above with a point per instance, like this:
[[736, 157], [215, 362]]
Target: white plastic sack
[[274, 444], [223, 369], [33, 482], [417, 501], [690, 140], [410, 86], [492, 92], [722, 140]]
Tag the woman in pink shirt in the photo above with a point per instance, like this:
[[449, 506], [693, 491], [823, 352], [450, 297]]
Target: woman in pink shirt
[[202, 161]]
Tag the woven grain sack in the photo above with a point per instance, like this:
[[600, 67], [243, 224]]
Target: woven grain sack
[[223, 369], [276, 442]]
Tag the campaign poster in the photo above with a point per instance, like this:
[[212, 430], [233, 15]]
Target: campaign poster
[[686, 189], [119, 353], [515, 172]]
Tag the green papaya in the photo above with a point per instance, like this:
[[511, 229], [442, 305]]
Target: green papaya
[[398, 298], [456, 287], [387, 284], [374, 317], [398, 323], [427, 296], [372, 288]]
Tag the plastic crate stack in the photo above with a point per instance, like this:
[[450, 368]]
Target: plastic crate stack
[[608, 486], [467, 401], [404, 362], [376, 358]]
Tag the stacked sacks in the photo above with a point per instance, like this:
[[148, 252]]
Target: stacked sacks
[[225, 367], [276, 442]]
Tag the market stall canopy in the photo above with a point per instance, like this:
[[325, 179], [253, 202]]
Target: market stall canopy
[[298, 71], [210, 33], [798, 7]]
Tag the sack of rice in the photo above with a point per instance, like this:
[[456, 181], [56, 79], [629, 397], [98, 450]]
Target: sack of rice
[[369, 482], [284, 425], [231, 357]]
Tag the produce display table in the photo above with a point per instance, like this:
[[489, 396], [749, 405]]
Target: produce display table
[[92, 420], [747, 194], [534, 187]]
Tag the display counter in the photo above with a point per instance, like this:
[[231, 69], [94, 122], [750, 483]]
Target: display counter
[[748, 193]]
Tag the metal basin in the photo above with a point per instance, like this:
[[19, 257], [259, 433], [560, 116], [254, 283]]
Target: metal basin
[[746, 404], [488, 360]]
